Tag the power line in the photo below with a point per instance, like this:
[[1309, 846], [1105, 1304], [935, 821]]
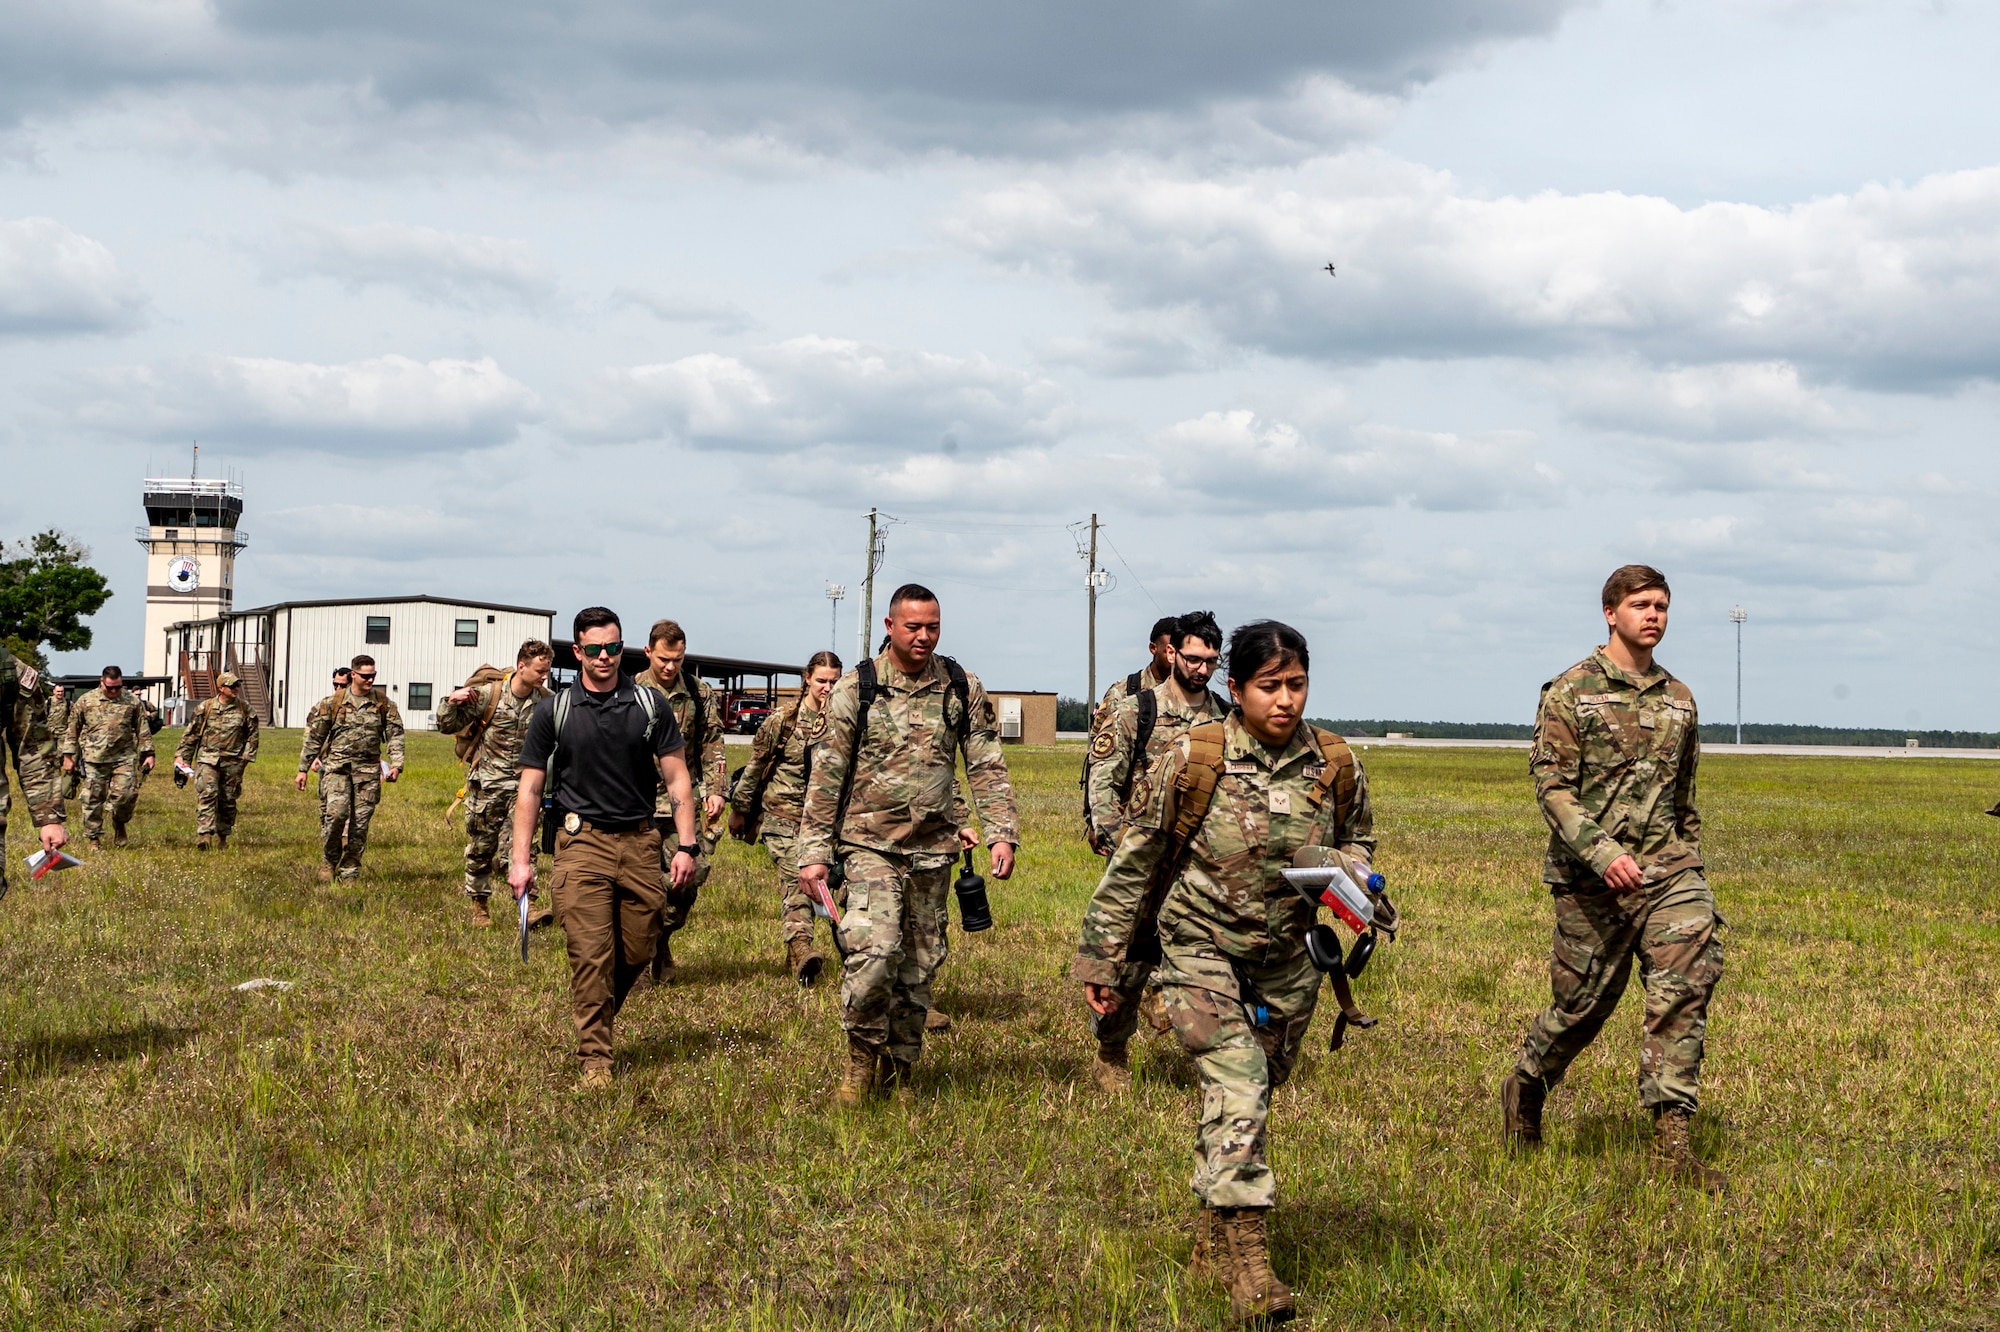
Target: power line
[[1135, 576]]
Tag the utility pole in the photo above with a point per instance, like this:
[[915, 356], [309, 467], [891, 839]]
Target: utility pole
[[834, 592], [1737, 615], [1091, 582], [878, 544]]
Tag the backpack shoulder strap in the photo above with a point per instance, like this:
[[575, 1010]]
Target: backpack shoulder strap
[[865, 690], [1149, 716], [959, 685], [1197, 782], [1338, 773], [651, 708], [1132, 682]]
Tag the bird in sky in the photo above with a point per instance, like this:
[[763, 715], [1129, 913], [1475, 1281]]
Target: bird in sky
[[1330, 272]]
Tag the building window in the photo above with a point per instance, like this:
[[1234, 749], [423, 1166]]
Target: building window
[[465, 633], [420, 697], [378, 629]]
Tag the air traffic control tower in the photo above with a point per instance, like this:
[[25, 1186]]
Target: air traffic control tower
[[191, 542]]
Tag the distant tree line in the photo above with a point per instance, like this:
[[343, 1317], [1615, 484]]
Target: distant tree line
[[1072, 714], [1713, 733]]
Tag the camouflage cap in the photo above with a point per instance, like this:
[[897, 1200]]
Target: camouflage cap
[[228, 680]]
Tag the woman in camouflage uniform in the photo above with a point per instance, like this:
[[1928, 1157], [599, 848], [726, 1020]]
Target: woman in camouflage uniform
[[769, 793], [1237, 982]]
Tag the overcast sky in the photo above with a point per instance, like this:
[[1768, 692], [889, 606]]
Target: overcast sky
[[647, 303]]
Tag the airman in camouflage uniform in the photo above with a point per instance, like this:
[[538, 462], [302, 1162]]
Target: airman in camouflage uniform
[[499, 712], [1101, 819], [108, 738], [1230, 935], [1616, 747], [219, 743], [24, 730], [885, 805], [768, 794], [1181, 701], [708, 767], [346, 741], [71, 783]]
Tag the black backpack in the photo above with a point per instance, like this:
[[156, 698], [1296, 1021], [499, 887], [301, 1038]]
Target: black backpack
[[868, 688]]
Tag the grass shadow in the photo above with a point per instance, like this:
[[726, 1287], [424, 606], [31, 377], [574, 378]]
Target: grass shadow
[[984, 1005], [54, 1054], [688, 1044], [1326, 1234], [1603, 1135]]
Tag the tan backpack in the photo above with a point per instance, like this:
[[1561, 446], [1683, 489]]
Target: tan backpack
[[466, 743]]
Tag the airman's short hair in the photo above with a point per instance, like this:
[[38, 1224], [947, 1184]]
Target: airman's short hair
[[362, 660], [911, 592], [668, 632], [1627, 579], [111, 673], [533, 650]]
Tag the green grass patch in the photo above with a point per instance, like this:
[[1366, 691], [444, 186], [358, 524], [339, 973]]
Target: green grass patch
[[393, 1142]]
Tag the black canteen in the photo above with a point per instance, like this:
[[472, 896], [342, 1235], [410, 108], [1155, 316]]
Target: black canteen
[[1323, 947], [974, 913]]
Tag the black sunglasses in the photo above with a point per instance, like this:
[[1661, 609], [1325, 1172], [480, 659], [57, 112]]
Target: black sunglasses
[[614, 648]]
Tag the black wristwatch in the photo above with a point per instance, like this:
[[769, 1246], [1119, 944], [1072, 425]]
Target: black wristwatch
[[682, 848]]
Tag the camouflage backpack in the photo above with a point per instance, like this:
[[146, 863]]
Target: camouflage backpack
[[465, 744]]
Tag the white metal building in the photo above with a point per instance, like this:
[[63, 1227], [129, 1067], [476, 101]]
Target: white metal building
[[423, 646]]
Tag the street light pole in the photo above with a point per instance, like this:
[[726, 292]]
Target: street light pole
[[1737, 615], [834, 592]]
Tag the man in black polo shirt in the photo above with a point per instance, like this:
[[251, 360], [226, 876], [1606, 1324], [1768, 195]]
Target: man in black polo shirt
[[609, 761]]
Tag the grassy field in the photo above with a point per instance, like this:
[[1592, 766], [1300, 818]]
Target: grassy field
[[394, 1143]]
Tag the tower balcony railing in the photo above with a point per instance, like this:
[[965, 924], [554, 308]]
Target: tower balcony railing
[[198, 536]]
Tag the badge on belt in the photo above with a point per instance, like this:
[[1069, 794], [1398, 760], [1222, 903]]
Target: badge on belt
[[572, 823]]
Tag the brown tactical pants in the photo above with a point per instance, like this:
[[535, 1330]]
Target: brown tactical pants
[[608, 895], [1672, 929]]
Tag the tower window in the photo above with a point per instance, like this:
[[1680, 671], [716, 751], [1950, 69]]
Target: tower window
[[465, 633], [378, 629]]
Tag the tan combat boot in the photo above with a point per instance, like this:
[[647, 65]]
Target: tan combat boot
[[858, 1078], [1208, 1247], [481, 917], [1255, 1293], [596, 1078], [201, 842], [1521, 1112], [222, 841], [1111, 1068], [803, 962], [540, 916], [325, 872], [118, 835], [935, 1021], [1674, 1152], [898, 1080]]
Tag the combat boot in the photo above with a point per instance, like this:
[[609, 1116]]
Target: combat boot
[[664, 969], [540, 917], [481, 917], [596, 1078], [1207, 1247], [935, 1021], [858, 1078], [898, 1080], [1521, 1111], [222, 841], [1674, 1152], [1111, 1068], [118, 835], [1255, 1293], [95, 844], [803, 962], [325, 872], [201, 842]]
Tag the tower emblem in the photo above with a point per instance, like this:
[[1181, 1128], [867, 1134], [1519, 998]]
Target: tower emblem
[[183, 574]]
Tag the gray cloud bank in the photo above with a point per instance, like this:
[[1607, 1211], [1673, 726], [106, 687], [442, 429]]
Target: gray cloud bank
[[1891, 286], [1033, 76], [55, 283]]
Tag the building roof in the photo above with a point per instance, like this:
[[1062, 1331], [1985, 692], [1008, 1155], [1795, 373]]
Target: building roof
[[702, 663], [395, 601]]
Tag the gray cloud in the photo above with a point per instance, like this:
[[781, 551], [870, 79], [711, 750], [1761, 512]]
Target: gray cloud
[[54, 282], [723, 317], [1037, 76], [385, 404], [437, 267], [1890, 286], [811, 391]]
